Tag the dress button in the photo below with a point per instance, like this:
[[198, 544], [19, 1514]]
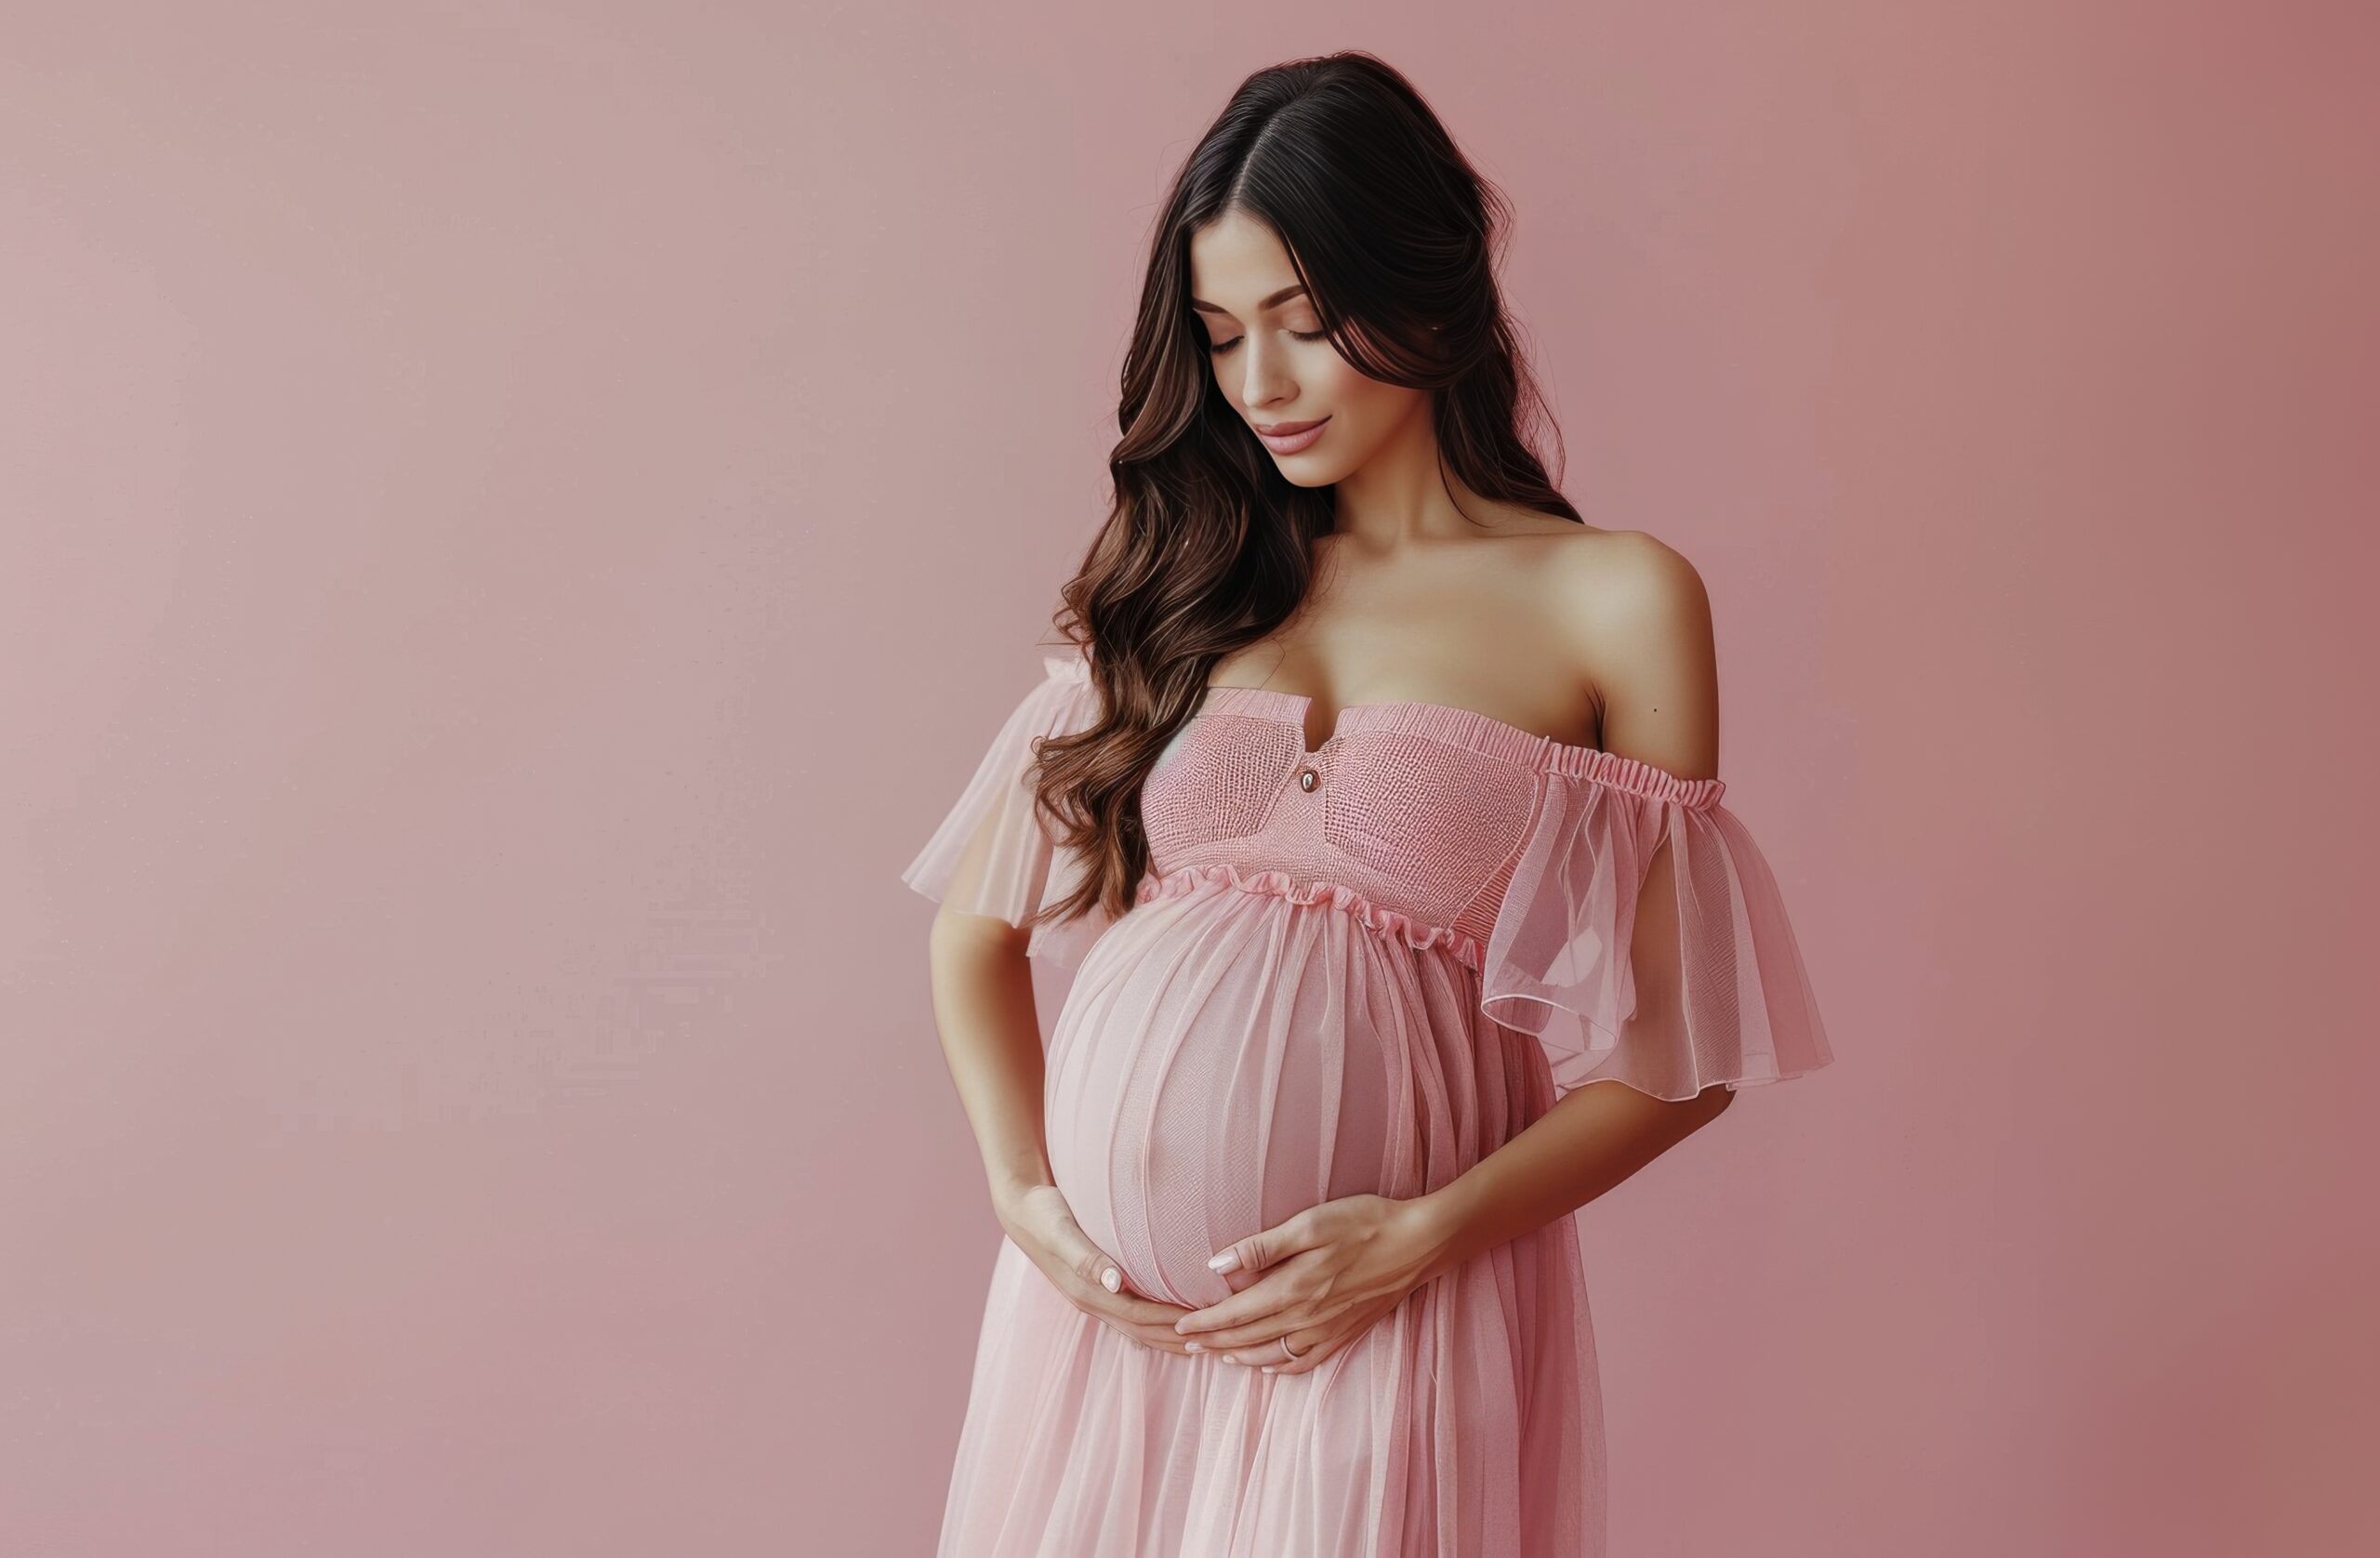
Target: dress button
[[1308, 778]]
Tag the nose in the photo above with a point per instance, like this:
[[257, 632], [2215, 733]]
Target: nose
[[1263, 381]]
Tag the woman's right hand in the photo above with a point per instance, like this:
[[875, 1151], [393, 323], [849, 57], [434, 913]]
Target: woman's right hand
[[1041, 1223]]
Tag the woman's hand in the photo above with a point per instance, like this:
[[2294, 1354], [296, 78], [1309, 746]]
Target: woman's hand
[[1322, 1278], [1041, 1223]]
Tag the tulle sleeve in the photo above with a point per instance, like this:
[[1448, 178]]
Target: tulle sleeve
[[1642, 938], [991, 854]]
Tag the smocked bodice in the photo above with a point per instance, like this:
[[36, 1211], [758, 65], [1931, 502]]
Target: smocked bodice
[[1412, 812]]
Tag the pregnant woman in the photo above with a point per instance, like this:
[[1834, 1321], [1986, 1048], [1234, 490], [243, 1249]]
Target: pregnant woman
[[1374, 807]]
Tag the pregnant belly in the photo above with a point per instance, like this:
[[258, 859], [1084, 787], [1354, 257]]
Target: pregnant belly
[[1216, 1069]]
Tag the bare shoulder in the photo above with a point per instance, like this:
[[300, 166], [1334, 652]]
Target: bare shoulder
[[1632, 581], [1637, 618]]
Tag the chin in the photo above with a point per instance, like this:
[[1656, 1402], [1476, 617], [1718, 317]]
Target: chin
[[1303, 471]]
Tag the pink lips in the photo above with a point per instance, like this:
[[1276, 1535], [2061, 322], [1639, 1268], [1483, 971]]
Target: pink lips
[[1288, 438]]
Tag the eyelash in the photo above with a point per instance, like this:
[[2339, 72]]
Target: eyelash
[[1216, 348]]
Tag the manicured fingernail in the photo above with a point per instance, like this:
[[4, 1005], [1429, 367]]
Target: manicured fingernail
[[1268, 1368], [1227, 1260], [1194, 1346], [1109, 1280]]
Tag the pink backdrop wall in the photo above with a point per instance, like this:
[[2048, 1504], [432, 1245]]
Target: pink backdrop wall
[[519, 517]]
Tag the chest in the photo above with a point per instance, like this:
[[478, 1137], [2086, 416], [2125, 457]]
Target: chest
[[1388, 805]]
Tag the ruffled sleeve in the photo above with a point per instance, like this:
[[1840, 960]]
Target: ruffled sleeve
[[1642, 938], [992, 856]]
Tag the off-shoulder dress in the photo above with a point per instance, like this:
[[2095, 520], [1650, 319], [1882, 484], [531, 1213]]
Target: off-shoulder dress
[[1359, 968]]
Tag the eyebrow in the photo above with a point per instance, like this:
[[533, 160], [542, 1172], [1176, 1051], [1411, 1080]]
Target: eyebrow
[[1274, 300]]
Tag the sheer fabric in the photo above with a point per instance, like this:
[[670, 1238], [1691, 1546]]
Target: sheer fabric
[[1356, 969], [1642, 939], [990, 855]]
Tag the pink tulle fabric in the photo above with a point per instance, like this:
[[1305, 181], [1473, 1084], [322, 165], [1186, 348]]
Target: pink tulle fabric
[[1356, 969]]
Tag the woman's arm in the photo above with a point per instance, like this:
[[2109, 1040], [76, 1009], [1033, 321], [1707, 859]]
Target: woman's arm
[[1644, 625], [991, 1039], [1590, 1140]]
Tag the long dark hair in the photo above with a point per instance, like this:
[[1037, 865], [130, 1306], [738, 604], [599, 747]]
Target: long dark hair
[[1207, 549]]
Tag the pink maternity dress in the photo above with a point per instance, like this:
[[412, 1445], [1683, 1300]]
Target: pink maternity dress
[[1358, 969]]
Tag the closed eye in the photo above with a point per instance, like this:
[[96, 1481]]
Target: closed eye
[[1217, 348]]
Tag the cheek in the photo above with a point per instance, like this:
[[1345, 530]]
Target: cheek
[[1367, 412], [1333, 380]]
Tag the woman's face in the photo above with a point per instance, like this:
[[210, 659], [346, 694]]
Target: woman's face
[[1276, 368]]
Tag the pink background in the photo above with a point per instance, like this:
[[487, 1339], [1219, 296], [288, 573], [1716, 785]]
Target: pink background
[[520, 518]]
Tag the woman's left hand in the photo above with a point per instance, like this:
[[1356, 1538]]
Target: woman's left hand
[[1322, 1278]]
